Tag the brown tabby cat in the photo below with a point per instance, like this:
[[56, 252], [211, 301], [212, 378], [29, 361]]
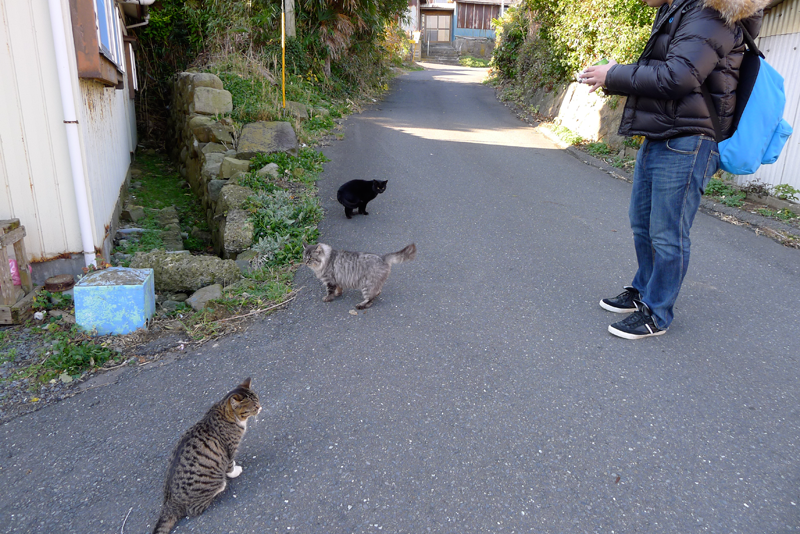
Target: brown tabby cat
[[340, 269], [204, 456]]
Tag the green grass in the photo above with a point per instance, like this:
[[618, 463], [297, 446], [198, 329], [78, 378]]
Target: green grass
[[305, 167], [785, 192], [475, 62], [6, 354], [724, 193], [161, 187], [598, 149], [284, 220], [45, 300], [781, 214], [64, 352], [567, 135]]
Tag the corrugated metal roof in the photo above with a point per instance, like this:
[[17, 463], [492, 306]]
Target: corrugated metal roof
[[782, 19]]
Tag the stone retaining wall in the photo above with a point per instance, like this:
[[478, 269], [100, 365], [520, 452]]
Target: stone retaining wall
[[205, 144], [481, 47], [589, 115]]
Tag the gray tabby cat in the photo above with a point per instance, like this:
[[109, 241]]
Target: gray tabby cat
[[204, 456], [339, 269]]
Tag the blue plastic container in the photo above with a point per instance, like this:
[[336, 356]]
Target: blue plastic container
[[116, 300]]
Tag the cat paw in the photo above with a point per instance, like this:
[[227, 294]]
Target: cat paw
[[235, 472], [328, 298], [363, 305]]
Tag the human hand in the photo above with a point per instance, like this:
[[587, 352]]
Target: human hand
[[595, 75]]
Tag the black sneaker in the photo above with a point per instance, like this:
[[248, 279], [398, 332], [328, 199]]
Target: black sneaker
[[637, 325], [622, 303]]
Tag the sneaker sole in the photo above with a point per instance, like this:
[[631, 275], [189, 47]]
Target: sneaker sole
[[615, 309], [628, 335]]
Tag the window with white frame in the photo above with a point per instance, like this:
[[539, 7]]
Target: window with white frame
[[109, 32]]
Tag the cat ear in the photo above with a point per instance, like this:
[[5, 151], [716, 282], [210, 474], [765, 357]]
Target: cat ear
[[245, 384]]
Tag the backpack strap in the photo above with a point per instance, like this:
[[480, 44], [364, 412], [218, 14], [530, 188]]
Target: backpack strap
[[712, 109], [751, 44]]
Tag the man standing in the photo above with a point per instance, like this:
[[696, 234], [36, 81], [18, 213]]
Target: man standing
[[693, 43]]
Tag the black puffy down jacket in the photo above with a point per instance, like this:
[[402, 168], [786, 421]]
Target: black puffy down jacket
[[663, 87]]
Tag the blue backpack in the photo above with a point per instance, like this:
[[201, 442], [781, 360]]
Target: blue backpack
[[759, 129]]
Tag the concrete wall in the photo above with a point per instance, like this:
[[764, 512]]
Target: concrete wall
[[474, 46], [593, 117]]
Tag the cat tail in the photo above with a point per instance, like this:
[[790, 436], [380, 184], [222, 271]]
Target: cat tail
[[166, 521], [407, 254]]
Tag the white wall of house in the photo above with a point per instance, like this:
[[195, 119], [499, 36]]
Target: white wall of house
[[107, 147], [35, 176]]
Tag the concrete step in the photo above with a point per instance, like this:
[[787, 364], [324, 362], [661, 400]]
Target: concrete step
[[442, 61], [440, 53]]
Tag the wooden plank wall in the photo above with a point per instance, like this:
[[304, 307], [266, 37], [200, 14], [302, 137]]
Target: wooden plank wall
[[476, 16]]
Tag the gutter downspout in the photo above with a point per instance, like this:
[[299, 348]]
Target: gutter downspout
[[145, 23], [71, 126]]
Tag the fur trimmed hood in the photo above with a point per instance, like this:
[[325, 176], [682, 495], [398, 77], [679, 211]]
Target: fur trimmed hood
[[736, 10]]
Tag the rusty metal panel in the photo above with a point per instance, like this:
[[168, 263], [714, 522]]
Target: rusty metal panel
[[473, 16], [91, 63], [782, 19], [782, 53]]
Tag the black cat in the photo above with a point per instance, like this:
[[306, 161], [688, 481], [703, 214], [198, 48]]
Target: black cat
[[356, 193]]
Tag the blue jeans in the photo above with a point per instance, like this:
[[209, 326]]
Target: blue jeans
[[668, 181]]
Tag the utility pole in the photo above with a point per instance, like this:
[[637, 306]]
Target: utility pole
[[290, 26]]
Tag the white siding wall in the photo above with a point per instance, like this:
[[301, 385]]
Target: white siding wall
[[104, 116], [35, 177], [34, 174]]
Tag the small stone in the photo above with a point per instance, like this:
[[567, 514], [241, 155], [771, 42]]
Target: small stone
[[206, 79], [270, 169], [231, 166], [208, 101], [170, 305], [245, 260], [200, 298], [214, 187], [132, 214], [296, 110], [266, 138]]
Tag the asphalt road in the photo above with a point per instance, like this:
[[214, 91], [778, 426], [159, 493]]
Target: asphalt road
[[482, 392]]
